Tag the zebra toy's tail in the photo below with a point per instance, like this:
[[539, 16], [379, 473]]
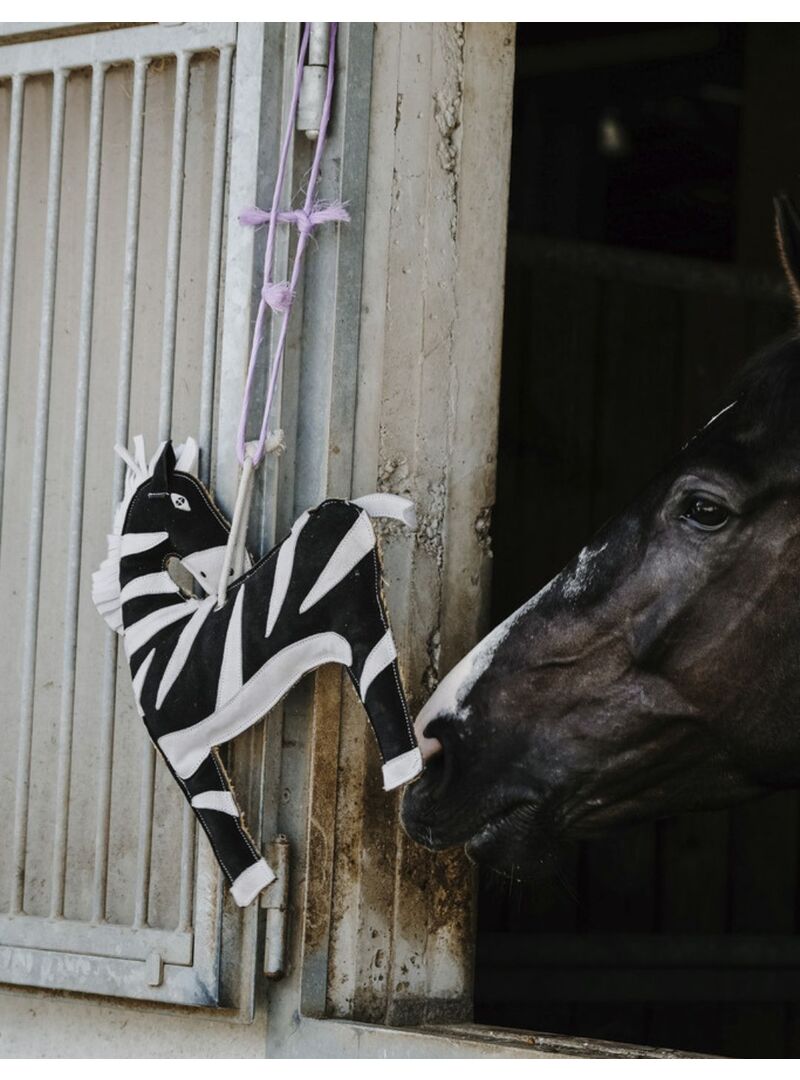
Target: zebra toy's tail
[[203, 672]]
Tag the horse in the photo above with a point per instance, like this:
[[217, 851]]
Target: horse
[[204, 671], [659, 671]]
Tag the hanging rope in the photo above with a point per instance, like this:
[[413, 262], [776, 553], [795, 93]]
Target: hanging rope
[[278, 298]]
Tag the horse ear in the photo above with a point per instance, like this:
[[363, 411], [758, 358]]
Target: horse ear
[[164, 467], [787, 231]]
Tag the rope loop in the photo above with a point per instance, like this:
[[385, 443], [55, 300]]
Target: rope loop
[[278, 297]]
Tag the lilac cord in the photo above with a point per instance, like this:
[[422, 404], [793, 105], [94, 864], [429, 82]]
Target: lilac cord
[[279, 296]]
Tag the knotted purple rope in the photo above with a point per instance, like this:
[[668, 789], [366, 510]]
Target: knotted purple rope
[[320, 214], [279, 296]]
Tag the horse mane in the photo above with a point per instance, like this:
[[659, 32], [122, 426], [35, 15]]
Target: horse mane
[[105, 580]]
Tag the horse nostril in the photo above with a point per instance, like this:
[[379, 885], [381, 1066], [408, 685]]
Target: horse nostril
[[441, 748], [425, 730]]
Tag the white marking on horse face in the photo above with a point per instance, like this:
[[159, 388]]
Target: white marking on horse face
[[449, 695], [581, 576], [447, 699]]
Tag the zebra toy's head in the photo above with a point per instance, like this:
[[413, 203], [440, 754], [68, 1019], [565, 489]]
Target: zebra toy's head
[[163, 495]]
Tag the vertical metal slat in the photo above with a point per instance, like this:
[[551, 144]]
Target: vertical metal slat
[[9, 257], [173, 243], [72, 584], [207, 390], [109, 685], [214, 254], [37, 490], [171, 283]]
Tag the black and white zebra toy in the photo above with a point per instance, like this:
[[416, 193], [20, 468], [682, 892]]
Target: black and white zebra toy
[[202, 674]]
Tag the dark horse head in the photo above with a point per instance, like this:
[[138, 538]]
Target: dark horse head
[[659, 672]]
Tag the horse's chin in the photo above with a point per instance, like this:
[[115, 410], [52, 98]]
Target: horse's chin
[[517, 840], [514, 843]]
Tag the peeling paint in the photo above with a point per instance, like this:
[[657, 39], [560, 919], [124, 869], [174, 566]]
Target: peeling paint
[[483, 526], [447, 111], [431, 674], [430, 528]]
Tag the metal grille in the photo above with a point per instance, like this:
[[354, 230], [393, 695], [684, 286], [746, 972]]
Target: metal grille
[[115, 148]]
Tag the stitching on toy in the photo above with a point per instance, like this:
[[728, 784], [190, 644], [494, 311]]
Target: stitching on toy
[[384, 621], [223, 772]]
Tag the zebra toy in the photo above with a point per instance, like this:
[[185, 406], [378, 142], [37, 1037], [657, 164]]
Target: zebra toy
[[204, 673]]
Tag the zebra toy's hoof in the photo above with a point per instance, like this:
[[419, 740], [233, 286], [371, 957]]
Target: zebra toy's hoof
[[402, 769]]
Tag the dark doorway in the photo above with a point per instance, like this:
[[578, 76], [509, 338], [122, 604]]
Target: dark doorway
[[643, 164]]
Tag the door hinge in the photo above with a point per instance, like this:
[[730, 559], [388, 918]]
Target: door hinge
[[315, 81], [276, 903]]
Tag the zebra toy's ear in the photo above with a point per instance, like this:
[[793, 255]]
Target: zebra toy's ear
[[187, 455], [164, 468], [787, 231]]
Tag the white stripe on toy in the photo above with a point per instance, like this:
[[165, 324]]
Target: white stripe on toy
[[140, 676], [283, 572], [216, 800], [136, 543], [139, 633], [351, 550], [381, 656], [148, 585], [183, 646], [187, 748]]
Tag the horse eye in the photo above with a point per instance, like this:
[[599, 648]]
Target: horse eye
[[703, 513]]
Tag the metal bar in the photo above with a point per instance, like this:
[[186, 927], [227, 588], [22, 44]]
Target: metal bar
[[250, 126], [9, 258], [315, 77], [214, 255], [173, 244], [37, 490], [73, 936], [171, 282], [264, 520], [73, 576], [188, 839], [109, 685], [106, 975], [117, 46], [146, 793], [147, 784], [276, 901], [207, 388]]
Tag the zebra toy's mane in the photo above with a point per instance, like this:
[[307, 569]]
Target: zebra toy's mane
[[105, 580]]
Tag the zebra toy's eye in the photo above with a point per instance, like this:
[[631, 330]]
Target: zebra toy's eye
[[704, 513], [180, 502]]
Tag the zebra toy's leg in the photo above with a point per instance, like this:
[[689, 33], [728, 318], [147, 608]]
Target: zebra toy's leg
[[209, 792], [375, 671]]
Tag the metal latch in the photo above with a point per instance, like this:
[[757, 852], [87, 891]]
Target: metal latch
[[315, 79], [276, 902]]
